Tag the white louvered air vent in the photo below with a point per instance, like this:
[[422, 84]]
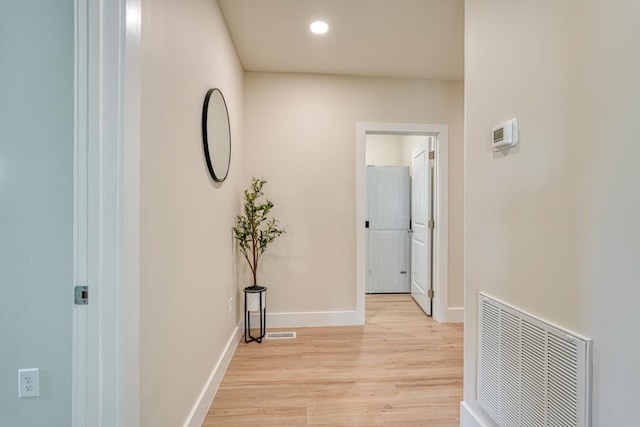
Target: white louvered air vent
[[280, 335], [531, 373]]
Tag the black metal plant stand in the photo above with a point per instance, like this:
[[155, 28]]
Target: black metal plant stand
[[262, 313]]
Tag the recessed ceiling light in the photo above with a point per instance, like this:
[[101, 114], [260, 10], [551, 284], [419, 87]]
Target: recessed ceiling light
[[319, 27]]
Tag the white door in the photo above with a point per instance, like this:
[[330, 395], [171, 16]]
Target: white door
[[388, 203], [421, 236], [37, 213], [388, 242], [388, 261]]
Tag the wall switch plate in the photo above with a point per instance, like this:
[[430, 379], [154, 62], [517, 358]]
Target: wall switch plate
[[28, 382]]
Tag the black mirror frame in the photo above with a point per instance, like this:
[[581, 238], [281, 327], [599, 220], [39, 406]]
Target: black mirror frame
[[205, 136]]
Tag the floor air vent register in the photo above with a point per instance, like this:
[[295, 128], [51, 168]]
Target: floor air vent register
[[280, 335], [530, 372]]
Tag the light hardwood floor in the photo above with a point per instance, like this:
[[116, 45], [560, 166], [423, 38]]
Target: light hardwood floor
[[401, 368]]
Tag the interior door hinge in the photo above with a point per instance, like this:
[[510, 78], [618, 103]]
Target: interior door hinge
[[81, 295], [430, 293], [432, 155], [432, 224]]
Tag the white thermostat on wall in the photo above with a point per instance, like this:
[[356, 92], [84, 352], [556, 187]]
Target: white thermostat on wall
[[505, 135]]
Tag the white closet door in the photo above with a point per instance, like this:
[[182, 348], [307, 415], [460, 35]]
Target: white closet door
[[388, 195], [388, 261]]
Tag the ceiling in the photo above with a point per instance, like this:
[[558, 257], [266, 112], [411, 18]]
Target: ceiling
[[421, 39]]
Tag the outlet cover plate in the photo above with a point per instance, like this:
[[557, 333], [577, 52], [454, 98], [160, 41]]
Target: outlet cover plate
[[28, 382]]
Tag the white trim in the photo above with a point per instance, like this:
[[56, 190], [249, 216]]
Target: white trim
[[309, 319], [472, 418], [110, 117], [117, 275], [104, 195], [205, 399], [441, 216]]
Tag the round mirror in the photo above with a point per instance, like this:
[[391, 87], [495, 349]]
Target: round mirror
[[216, 134]]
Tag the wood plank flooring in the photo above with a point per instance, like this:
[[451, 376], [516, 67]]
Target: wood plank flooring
[[401, 368]]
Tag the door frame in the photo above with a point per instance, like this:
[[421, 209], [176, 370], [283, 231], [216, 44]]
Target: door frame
[[105, 383], [440, 242]]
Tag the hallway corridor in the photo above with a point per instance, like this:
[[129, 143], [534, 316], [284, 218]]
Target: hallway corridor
[[401, 368]]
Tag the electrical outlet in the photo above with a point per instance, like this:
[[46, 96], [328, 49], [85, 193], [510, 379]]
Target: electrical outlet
[[230, 306], [28, 382]]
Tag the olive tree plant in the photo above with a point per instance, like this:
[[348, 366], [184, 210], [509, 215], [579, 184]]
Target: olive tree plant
[[254, 230]]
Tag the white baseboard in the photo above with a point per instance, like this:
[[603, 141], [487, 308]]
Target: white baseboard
[[470, 417], [335, 318], [202, 405], [310, 319]]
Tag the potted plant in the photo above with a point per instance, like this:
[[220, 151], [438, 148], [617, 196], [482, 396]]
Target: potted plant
[[255, 231]]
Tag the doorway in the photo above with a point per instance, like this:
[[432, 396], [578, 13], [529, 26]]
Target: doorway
[[69, 182], [439, 134]]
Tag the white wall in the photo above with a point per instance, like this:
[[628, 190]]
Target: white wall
[[36, 208], [553, 227], [300, 136], [186, 247]]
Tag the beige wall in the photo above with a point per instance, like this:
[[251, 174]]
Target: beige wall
[[186, 247], [300, 136], [391, 150], [384, 150], [552, 228]]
